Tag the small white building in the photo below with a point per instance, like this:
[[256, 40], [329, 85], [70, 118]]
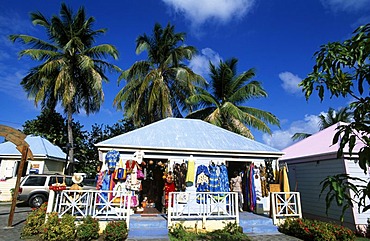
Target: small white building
[[48, 158], [309, 162], [177, 140]]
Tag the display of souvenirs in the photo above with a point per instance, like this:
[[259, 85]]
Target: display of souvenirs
[[155, 180], [119, 178]]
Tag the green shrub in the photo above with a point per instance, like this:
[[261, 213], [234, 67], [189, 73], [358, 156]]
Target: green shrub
[[180, 233], [58, 229], [88, 229], [115, 230], [314, 230], [34, 221], [231, 232]]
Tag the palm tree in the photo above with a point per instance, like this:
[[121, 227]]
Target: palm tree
[[158, 87], [223, 104], [72, 69], [331, 118]]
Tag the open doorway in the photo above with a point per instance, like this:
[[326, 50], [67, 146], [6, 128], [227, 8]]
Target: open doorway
[[153, 183]]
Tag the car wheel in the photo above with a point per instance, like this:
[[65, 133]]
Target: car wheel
[[36, 200]]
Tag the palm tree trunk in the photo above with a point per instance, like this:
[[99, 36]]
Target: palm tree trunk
[[70, 140]]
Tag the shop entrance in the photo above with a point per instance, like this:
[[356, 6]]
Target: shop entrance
[[153, 184], [236, 166]]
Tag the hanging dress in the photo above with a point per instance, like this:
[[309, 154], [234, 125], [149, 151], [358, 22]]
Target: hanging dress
[[214, 181], [264, 188], [257, 183], [202, 182], [269, 171], [224, 179], [252, 190]]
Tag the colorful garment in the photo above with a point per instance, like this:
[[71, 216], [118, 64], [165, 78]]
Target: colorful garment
[[130, 165], [269, 172], [202, 182], [190, 173], [224, 179], [252, 190], [107, 184], [264, 188], [111, 159], [168, 188], [214, 181]]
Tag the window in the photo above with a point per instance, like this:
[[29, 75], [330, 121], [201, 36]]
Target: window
[[35, 181], [68, 180]]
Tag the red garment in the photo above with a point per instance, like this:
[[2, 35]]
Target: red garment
[[168, 187], [130, 164]]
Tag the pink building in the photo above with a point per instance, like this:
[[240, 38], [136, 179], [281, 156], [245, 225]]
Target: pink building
[[309, 162]]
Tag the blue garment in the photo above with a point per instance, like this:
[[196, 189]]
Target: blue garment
[[202, 182], [224, 179], [252, 189], [105, 185], [214, 181], [111, 159]]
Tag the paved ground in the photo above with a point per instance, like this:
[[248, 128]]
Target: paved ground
[[13, 233]]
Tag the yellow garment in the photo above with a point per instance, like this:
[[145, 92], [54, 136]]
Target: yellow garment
[[190, 174], [284, 180]]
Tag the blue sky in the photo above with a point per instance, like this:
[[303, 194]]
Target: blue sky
[[277, 38]]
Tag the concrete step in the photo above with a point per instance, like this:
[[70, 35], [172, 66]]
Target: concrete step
[[155, 227], [257, 224], [148, 227]]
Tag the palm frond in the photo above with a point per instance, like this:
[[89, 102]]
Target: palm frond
[[39, 54], [215, 118], [300, 136], [102, 51], [33, 42], [264, 116], [201, 114], [237, 126]]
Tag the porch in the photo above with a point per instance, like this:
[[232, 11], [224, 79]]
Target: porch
[[197, 210]]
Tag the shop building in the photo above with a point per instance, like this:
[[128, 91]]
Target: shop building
[[48, 159], [169, 143], [313, 159]]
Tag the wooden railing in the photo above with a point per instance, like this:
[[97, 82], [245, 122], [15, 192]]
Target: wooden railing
[[202, 206], [285, 204], [95, 203]]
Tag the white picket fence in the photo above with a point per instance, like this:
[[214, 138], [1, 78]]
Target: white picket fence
[[182, 206], [284, 205], [95, 203], [203, 206]]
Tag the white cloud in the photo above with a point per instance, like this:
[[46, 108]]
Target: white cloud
[[200, 11], [290, 82], [200, 63], [346, 5], [10, 85], [283, 138]]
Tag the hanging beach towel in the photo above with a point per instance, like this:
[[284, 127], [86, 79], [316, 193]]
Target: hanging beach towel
[[190, 173], [121, 171], [284, 182]]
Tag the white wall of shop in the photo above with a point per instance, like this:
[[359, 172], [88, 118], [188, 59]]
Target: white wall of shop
[[305, 177], [354, 170]]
